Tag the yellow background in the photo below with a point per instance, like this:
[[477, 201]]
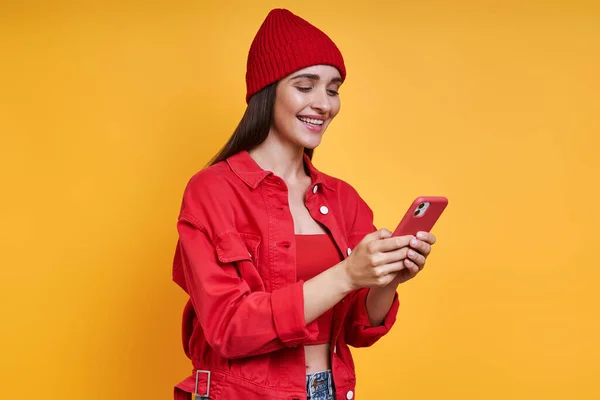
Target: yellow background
[[107, 110]]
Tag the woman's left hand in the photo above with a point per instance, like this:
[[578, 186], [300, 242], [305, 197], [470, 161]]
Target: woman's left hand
[[419, 250]]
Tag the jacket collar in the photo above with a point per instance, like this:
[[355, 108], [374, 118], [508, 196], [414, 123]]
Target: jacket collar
[[244, 166]]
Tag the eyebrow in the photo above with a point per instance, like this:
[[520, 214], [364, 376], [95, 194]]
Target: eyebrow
[[316, 77]]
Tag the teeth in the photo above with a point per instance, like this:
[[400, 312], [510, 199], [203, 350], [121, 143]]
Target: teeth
[[311, 121]]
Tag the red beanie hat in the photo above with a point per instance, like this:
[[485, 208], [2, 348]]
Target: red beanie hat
[[286, 43]]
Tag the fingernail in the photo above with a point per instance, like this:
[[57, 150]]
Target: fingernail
[[414, 242], [421, 235]]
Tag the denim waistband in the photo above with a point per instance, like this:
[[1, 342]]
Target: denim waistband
[[319, 386]]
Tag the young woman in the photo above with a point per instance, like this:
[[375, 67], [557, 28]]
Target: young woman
[[282, 263]]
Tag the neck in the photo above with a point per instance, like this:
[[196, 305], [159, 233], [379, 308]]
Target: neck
[[284, 161]]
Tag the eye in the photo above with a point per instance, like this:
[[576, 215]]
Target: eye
[[333, 92], [303, 89]]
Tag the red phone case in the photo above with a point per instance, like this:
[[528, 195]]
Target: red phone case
[[424, 221]]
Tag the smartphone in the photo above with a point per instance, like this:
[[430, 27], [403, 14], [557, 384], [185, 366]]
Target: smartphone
[[421, 216]]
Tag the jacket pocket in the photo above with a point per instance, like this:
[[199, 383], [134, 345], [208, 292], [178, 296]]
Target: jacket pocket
[[242, 250], [234, 246]]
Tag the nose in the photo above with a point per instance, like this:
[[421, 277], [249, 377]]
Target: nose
[[321, 101]]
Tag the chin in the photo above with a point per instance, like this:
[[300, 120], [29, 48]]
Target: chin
[[310, 144]]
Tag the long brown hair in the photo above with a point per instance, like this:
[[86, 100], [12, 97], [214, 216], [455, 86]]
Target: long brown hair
[[254, 127]]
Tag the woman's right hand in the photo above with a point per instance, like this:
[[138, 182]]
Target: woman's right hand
[[376, 260]]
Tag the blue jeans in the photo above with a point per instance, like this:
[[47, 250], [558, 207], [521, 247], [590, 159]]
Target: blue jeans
[[319, 386]]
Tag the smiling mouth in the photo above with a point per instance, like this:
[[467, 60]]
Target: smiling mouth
[[312, 121]]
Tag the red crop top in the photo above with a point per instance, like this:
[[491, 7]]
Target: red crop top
[[315, 254]]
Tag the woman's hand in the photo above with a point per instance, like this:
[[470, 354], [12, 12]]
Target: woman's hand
[[377, 260], [418, 251], [380, 260]]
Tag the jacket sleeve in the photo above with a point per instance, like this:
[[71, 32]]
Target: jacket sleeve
[[358, 329], [359, 332], [237, 322]]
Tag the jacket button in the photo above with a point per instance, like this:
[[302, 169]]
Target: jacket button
[[349, 251], [350, 395], [315, 188], [324, 210]]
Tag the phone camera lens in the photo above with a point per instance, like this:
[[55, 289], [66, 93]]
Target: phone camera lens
[[417, 212], [421, 205]]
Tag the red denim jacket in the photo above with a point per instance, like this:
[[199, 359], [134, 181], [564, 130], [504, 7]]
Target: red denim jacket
[[236, 259]]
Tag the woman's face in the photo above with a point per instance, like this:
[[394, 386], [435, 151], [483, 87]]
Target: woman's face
[[305, 103]]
